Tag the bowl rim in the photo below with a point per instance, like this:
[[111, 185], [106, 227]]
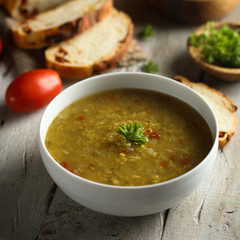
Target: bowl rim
[[155, 185]]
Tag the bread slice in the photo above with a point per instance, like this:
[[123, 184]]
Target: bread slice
[[22, 9], [222, 106], [96, 50], [62, 22]]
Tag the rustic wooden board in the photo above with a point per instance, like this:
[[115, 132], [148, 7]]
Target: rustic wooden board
[[33, 207]]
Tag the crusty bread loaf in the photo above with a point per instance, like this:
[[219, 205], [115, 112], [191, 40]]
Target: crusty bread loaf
[[22, 9], [60, 23], [222, 106], [96, 50]]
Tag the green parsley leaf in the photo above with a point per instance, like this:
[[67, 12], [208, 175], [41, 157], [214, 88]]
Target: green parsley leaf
[[133, 133], [150, 67], [147, 32], [218, 46]]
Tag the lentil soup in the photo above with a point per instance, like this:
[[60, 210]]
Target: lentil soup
[[84, 137]]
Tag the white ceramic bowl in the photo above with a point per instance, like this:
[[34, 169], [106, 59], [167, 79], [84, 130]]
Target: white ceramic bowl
[[118, 200]]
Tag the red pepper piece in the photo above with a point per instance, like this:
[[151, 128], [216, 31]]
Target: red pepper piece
[[154, 135], [185, 160], [180, 141], [82, 117], [111, 98], [137, 100], [124, 151], [164, 163], [64, 164], [73, 170]]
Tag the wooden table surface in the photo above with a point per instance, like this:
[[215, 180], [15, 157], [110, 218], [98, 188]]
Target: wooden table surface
[[33, 207]]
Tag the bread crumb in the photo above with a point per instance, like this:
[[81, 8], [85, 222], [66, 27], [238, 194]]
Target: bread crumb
[[134, 55]]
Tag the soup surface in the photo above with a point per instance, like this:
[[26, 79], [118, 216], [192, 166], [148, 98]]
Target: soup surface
[[84, 138]]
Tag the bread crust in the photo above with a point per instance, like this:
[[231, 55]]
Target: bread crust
[[23, 9], [225, 104], [16, 8], [109, 62], [27, 39], [12, 6]]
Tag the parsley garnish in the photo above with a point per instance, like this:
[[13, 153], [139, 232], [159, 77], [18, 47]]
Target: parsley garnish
[[150, 67], [147, 32], [218, 46], [133, 133]]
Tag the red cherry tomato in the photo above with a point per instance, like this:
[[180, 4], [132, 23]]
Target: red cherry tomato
[[0, 46], [33, 90]]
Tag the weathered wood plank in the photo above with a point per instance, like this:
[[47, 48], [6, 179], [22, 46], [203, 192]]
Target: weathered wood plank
[[161, 50], [24, 183], [212, 211], [32, 207], [68, 220]]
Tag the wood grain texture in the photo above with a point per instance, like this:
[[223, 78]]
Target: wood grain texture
[[194, 11], [33, 207], [67, 220]]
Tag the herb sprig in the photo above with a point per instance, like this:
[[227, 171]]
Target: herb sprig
[[150, 67], [219, 46], [147, 32], [133, 133]]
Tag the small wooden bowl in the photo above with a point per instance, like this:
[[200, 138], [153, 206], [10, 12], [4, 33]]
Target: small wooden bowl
[[222, 73]]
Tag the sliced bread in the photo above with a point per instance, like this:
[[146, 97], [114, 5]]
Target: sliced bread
[[222, 106], [96, 50], [22, 9], [60, 23]]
